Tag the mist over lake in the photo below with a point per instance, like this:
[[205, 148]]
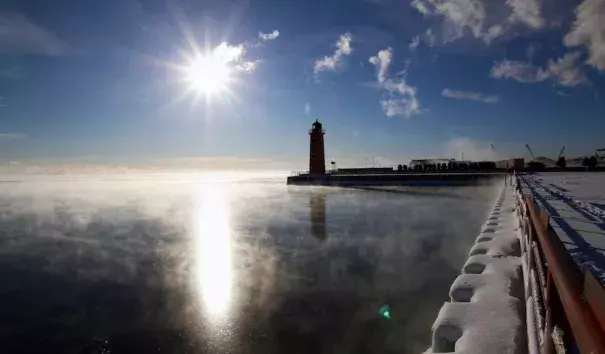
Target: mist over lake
[[198, 263]]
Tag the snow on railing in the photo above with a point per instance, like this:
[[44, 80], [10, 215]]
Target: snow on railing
[[563, 315]]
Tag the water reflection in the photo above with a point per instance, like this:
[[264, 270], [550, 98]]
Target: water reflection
[[176, 265], [213, 248], [317, 203]]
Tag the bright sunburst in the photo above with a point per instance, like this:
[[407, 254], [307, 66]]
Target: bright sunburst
[[207, 74], [212, 72]]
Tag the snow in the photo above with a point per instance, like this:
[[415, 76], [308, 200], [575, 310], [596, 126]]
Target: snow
[[487, 311], [576, 205]]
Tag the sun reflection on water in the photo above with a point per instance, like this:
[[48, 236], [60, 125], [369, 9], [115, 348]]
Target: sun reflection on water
[[213, 243]]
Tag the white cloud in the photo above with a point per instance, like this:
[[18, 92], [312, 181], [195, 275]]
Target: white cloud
[[400, 98], [343, 48], [414, 43], [485, 20], [229, 53], [234, 55], [18, 35], [429, 38], [526, 11], [421, 6], [307, 108], [461, 15], [517, 70], [382, 60], [268, 36], [589, 30], [474, 96], [248, 66], [11, 136], [564, 71]]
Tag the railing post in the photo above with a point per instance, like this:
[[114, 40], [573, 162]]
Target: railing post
[[548, 344]]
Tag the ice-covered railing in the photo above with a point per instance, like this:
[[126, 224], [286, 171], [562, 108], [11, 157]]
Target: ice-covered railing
[[565, 309], [486, 311]]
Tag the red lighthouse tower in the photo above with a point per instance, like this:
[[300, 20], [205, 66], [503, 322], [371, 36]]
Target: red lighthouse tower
[[317, 161]]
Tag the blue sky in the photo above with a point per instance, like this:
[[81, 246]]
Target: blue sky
[[95, 81]]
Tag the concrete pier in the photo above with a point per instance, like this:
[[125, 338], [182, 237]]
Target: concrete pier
[[533, 280], [486, 311], [402, 179]]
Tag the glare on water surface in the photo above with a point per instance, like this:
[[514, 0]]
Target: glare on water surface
[[213, 243]]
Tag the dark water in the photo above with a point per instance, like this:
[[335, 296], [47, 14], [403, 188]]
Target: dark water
[[196, 264]]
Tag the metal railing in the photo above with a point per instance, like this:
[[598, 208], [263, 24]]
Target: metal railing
[[569, 307]]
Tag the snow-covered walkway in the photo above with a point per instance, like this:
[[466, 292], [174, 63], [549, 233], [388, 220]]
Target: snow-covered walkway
[[576, 205], [486, 313]]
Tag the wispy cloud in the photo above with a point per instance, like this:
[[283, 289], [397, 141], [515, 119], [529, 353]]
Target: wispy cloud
[[248, 65], [18, 35], [399, 97], [564, 71], [414, 43], [485, 20], [343, 48], [429, 38], [589, 30], [527, 12], [234, 55], [307, 108], [473, 96], [11, 136], [268, 36], [382, 60], [517, 70]]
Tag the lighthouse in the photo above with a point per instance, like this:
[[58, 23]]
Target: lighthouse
[[317, 162]]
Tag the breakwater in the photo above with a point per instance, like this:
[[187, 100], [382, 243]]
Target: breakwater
[[403, 179]]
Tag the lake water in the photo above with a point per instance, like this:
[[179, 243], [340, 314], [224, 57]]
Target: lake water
[[190, 263]]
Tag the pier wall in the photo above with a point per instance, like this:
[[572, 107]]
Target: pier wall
[[417, 179], [487, 308]]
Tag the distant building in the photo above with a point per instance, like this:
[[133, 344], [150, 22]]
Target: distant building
[[365, 170], [430, 162], [515, 164]]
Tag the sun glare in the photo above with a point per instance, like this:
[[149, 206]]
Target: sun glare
[[208, 74]]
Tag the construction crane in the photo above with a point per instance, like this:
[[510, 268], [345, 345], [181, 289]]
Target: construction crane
[[531, 152], [562, 152], [495, 153]]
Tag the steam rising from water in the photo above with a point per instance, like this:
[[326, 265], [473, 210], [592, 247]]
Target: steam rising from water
[[213, 265]]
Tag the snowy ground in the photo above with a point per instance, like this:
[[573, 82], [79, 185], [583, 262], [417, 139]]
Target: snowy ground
[[576, 203]]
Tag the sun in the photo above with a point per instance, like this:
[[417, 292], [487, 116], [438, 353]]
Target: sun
[[208, 74]]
